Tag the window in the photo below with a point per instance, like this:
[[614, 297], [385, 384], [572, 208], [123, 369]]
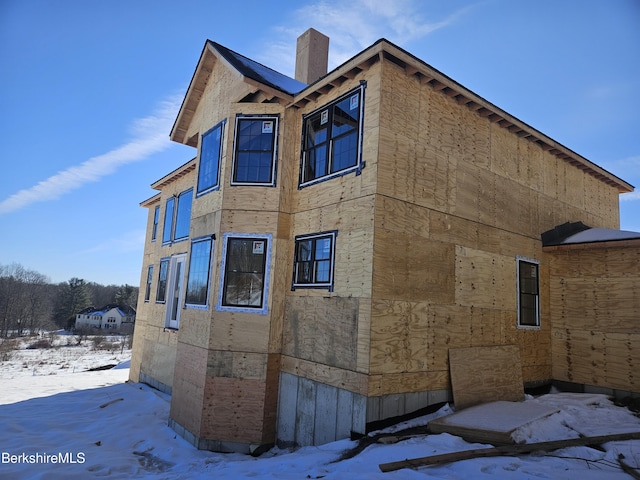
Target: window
[[156, 218], [255, 151], [245, 273], [177, 217], [161, 294], [199, 269], [331, 139], [528, 292], [210, 154], [314, 260], [147, 291], [167, 231]]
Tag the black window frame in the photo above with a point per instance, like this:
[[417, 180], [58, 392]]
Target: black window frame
[[215, 159], [156, 220], [161, 289], [147, 290], [223, 303], [528, 292], [310, 264], [194, 268], [263, 120], [326, 115]]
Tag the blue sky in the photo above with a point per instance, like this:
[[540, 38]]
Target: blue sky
[[90, 89]]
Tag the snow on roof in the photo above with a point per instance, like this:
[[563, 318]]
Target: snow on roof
[[257, 71]]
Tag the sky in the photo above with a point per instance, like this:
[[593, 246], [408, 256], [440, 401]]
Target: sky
[[89, 91]]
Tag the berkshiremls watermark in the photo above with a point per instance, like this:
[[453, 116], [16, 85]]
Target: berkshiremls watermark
[[46, 458]]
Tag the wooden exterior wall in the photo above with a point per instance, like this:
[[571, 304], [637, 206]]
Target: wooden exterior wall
[[595, 300]]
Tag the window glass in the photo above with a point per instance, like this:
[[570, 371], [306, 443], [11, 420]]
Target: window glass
[[199, 268], [162, 280], [147, 291], [331, 138], [528, 294], [167, 231], [210, 153], [255, 155], [156, 219], [314, 260], [244, 274], [183, 215]]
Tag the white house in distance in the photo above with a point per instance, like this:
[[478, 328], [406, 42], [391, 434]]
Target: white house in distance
[[109, 317]]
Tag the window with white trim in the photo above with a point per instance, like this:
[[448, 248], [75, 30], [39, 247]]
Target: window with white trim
[[245, 273], [254, 161], [331, 139], [314, 260], [528, 274]]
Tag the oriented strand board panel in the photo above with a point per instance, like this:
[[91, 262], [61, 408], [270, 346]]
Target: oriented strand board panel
[[485, 374]]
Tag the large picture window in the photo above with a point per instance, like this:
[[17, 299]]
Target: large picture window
[[331, 139], [314, 260], [528, 273], [210, 154], [255, 154], [199, 271], [245, 273]]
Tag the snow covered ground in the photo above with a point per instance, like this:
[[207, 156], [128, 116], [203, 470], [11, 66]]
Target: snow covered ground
[[59, 421]]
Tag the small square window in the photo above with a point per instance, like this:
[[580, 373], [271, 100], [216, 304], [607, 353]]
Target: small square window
[[314, 260]]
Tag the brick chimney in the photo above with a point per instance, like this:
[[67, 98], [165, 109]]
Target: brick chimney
[[312, 56]]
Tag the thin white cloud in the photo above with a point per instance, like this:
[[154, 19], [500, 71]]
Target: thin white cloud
[[150, 135], [353, 26]]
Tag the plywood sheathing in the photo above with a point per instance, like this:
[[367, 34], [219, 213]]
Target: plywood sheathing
[[485, 374]]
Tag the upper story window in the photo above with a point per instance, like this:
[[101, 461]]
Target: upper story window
[[255, 153], [245, 272], [331, 139], [210, 154], [314, 260], [177, 217], [156, 219], [528, 273]]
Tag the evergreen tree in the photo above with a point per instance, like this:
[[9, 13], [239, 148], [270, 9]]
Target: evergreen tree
[[73, 297]]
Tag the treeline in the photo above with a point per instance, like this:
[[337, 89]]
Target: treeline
[[29, 302]]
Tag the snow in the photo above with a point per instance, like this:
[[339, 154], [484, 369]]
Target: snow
[[50, 406]]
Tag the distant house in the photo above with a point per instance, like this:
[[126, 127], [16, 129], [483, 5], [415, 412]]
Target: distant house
[[109, 317], [308, 272]]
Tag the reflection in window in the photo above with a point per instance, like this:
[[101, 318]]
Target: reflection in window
[[210, 154], [331, 138], [199, 270], [161, 294], [255, 151], [314, 260], [528, 293]]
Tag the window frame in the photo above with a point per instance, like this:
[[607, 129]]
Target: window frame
[[202, 306], [179, 215], [264, 307], [147, 290], [331, 138], [162, 284], [314, 237], [156, 220], [519, 294], [274, 149], [204, 189]]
